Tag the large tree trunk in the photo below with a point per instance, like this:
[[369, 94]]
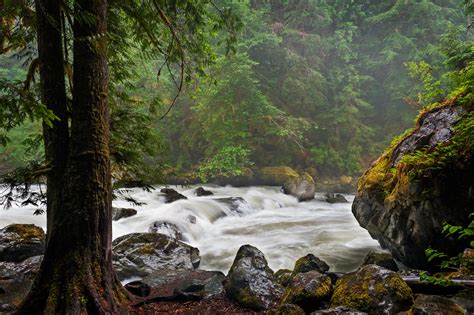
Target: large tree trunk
[[76, 276]]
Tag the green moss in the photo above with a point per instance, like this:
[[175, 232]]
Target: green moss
[[26, 231]]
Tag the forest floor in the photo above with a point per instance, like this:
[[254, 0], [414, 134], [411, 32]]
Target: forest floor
[[215, 305]]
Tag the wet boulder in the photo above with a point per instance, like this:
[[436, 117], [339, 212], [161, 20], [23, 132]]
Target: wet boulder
[[202, 192], [301, 187], [172, 195], [276, 175], [434, 304], [185, 284], [119, 213], [310, 263], [373, 289], [233, 203], [381, 259], [422, 181], [340, 310], [139, 254], [167, 228], [16, 280], [335, 198], [283, 276], [250, 282], [21, 241], [309, 290]]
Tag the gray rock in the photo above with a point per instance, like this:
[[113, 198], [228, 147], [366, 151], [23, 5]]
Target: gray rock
[[21, 241], [250, 281], [167, 228], [119, 213], [16, 280], [335, 198], [301, 187], [172, 195], [140, 254], [309, 263], [202, 192], [186, 284]]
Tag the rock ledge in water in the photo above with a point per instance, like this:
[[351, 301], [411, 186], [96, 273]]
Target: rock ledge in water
[[20, 241]]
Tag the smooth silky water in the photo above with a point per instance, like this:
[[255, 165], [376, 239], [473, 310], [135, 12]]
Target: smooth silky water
[[280, 226]]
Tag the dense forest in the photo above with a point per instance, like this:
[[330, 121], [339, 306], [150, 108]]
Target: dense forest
[[318, 85], [335, 135]]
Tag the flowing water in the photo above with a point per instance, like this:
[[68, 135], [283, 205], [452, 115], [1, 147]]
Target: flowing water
[[280, 226]]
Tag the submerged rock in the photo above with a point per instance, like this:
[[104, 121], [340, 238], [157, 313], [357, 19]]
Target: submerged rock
[[380, 259], [335, 198], [167, 228], [202, 192], [301, 187], [139, 254], [119, 213], [172, 195], [422, 181], [308, 290], [373, 289], [21, 241], [233, 203], [250, 281]]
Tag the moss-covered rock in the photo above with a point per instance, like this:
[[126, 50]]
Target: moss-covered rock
[[301, 187], [283, 276], [21, 241], [433, 304], [250, 282], [374, 290], [276, 175], [309, 263], [308, 290], [423, 180], [139, 254]]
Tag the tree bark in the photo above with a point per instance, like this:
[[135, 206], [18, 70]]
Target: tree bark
[[76, 276]]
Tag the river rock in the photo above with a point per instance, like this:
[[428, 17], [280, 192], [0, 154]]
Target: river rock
[[335, 198], [301, 187], [186, 284], [434, 304], [381, 259], [283, 276], [287, 309], [308, 290], [16, 280], [167, 228], [233, 203], [20, 241], [250, 282], [276, 175], [139, 254], [119, 213], [373, 289], [420, 182], [310, 263], [202, 192], [172, 195]]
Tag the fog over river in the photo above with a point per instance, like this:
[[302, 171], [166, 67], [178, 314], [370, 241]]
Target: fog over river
[[280, 226]]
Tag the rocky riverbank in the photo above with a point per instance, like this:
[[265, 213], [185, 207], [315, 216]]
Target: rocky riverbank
[[168, 280]]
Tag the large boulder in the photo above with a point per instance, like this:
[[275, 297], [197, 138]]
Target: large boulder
[[172, 195], [250, 282], [301, 187], [421, 181], [310, 263], [308, 290], [373, 289], [21, 241], [140, 254], [276, 175], [381, 259]]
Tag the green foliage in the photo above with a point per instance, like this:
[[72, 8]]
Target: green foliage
[[228, 161], [430, 88]]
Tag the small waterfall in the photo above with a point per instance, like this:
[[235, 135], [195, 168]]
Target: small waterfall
[[283, 228]]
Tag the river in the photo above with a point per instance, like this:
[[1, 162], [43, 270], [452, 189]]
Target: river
[[280, 226]]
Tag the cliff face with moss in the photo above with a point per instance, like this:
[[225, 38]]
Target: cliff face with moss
[[425, 178]]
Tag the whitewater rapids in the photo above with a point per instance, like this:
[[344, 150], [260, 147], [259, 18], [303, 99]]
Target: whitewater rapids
[[280, 226]]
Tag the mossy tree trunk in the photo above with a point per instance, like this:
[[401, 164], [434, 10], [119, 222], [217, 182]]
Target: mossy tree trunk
[[76, 276]]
